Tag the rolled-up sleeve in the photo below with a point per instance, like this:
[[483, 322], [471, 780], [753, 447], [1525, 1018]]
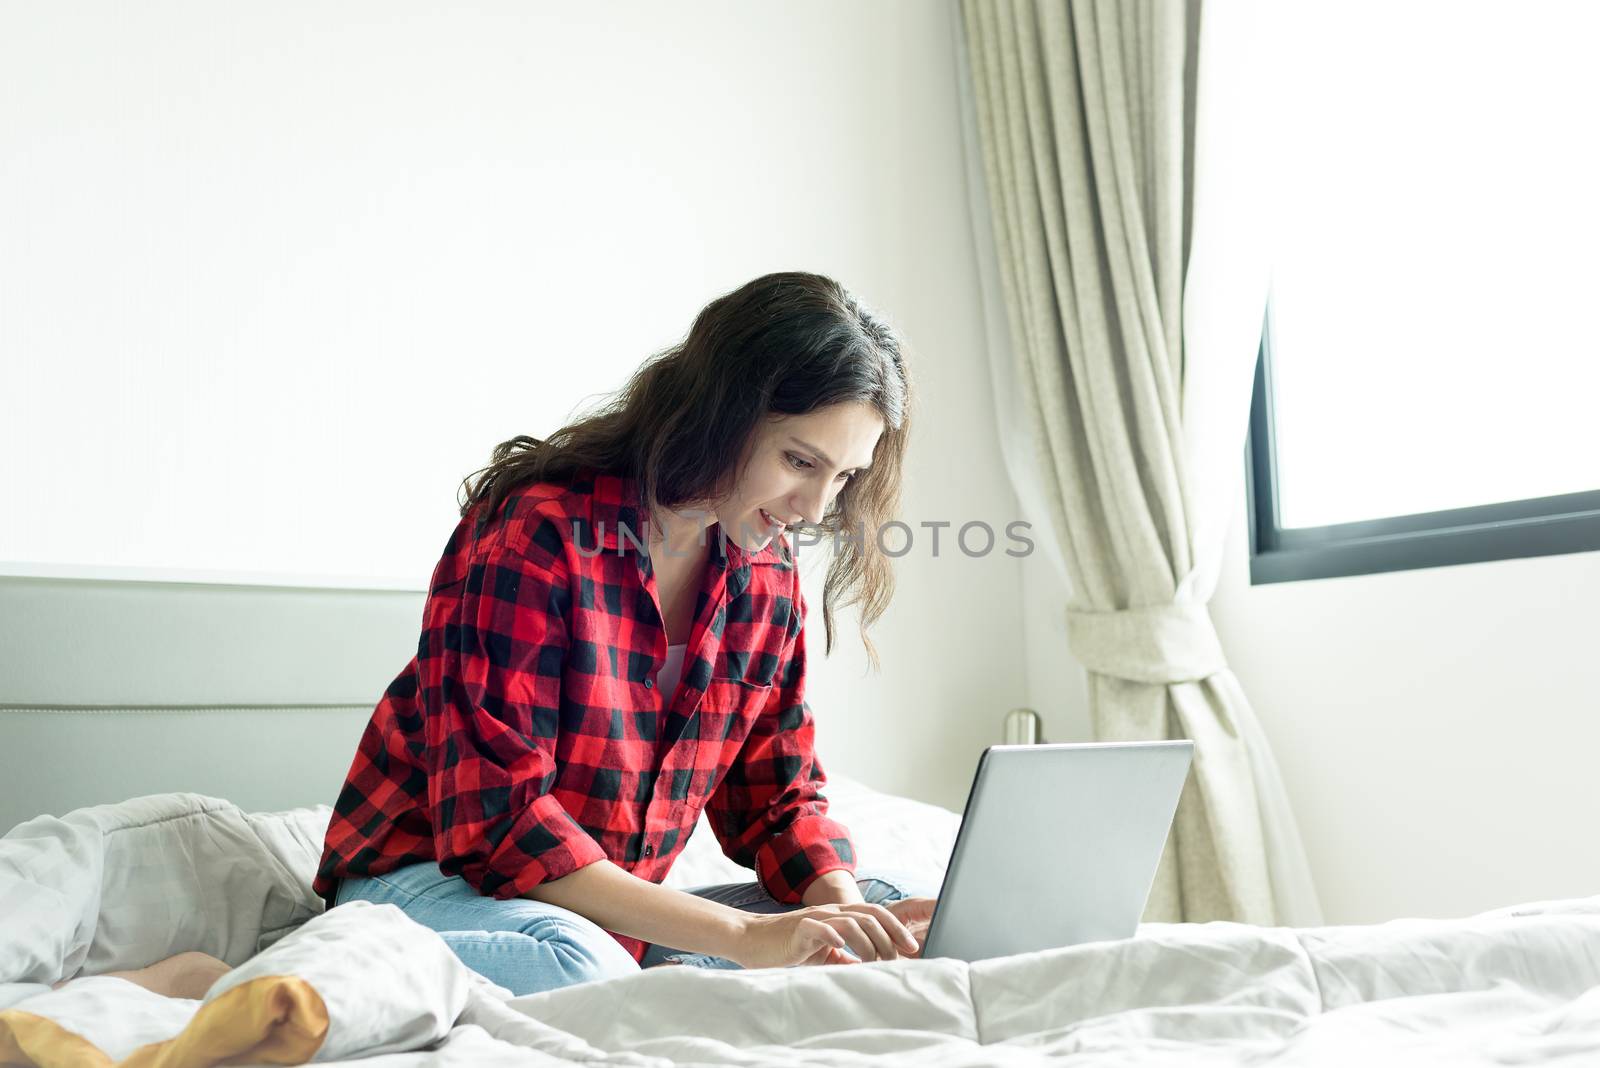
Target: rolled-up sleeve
[[493, 695], [769, 811]]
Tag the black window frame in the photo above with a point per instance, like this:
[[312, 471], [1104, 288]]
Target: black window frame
[[1504, 530]]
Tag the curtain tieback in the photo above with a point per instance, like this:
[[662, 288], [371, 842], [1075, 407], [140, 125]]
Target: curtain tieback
[[1158, 644]]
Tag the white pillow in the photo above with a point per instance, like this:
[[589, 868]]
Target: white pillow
[[891, 833], [114, 887]]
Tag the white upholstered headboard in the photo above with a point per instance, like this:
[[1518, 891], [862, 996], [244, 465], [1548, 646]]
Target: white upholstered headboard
[[53, 760], [256, 694]]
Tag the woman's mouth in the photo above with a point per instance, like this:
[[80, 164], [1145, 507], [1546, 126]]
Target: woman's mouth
[[777, 527]]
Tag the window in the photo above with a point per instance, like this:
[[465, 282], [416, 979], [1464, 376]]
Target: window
[[1430, 364]]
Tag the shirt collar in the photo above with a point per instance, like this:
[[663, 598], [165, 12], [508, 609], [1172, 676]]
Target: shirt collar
[[614, 500], [614, 507]]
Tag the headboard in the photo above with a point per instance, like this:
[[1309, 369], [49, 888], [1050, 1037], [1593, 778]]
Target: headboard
[[258, 695], [53, 760]]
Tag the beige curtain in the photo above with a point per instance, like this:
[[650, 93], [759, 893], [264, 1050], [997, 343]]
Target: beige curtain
[[1113, 172]]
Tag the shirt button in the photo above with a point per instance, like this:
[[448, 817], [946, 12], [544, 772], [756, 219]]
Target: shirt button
[[649, 850], [649, 684]]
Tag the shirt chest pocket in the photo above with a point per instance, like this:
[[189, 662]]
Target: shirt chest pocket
[[728, 710]]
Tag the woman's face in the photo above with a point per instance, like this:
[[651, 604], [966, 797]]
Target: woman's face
[[796, 465]]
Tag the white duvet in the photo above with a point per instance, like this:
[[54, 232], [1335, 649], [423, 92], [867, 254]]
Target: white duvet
[[119, 886]]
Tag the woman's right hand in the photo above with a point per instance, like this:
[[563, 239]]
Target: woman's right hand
[[820, 934]]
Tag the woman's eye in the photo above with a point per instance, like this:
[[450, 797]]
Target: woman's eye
[[796, 461]]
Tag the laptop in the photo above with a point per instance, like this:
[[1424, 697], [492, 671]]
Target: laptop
[[1058, 845]]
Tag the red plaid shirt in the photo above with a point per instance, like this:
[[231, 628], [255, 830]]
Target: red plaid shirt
[[527, 739]]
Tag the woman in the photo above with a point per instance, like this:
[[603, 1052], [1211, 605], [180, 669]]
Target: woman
[[614, 640]]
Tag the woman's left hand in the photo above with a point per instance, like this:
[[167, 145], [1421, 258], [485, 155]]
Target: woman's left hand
[[915, 913]]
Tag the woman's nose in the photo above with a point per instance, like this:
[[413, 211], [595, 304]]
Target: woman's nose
[[810, 506]]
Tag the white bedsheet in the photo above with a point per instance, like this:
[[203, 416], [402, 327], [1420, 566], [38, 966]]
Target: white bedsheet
[[1519, 985]]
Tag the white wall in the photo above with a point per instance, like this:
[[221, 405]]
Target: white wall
[[308, 263], [1438, 730]]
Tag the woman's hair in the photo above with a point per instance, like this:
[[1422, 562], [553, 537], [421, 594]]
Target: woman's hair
[[786, 343]]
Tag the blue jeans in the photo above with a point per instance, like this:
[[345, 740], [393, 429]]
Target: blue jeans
[[529, 946]]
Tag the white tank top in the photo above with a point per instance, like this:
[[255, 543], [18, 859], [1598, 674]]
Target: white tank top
[[671, 671]]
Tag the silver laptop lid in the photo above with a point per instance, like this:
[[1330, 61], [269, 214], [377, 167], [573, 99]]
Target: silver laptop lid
[[1058, 845]]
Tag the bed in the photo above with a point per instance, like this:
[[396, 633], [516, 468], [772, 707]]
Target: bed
[[119, 886]]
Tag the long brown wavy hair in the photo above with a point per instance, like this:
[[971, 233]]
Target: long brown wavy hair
[[785, 343]]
